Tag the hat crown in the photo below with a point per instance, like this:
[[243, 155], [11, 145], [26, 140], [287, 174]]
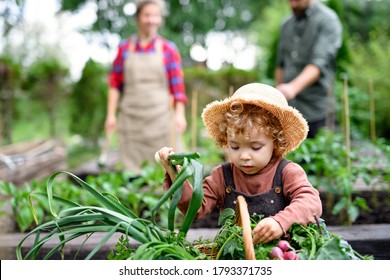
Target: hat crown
[[262, 93], [294, 126]]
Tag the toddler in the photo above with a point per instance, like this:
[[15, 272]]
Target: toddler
[[258, 128]]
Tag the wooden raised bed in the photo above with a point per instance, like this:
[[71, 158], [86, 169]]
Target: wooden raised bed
[[26, 161], [371, 240]]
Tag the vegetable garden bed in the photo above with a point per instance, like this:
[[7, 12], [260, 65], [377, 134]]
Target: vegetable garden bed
[[366, 239], [366, 246]]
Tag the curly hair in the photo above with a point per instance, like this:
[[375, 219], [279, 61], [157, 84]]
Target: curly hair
[[241, 118]]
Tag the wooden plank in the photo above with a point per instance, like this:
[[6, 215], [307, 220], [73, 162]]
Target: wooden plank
[[31, 160]]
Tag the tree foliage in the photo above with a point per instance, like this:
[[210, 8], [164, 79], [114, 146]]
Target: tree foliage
[[88, 103], [187, 22], [10, 74], [11, 14], [362, 17], [45, 82], [366, 27]]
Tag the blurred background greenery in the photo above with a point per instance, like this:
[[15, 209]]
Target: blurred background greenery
[[40, 99]]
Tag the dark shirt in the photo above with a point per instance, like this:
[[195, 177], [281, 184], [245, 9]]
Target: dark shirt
[[313, 38]]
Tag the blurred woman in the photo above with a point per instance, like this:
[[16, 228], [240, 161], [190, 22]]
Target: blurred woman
[[146, 89]]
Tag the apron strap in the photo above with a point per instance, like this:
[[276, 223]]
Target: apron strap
[[228, 175], [158, 45], [132, 43], [278, 173]]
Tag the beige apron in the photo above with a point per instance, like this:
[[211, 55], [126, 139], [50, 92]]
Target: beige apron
[[144, 121]]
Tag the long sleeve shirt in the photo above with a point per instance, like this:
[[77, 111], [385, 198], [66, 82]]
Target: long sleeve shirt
[[304, 199], [172, 63], [315, 39]]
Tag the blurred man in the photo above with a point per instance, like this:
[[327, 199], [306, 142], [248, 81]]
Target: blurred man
[[306, 61]]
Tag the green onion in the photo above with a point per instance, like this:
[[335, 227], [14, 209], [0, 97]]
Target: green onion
[[190, 168]]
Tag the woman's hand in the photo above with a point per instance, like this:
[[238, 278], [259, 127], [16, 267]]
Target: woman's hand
[[110, 124], [180, 118], [267, 230], [180, 123]]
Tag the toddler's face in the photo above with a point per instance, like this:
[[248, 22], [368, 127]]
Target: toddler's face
[[251, 154]]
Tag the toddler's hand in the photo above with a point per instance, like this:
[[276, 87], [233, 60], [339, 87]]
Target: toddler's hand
[[162, 155], [267, 230]]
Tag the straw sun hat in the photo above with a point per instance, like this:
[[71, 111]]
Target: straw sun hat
[[294, 126]]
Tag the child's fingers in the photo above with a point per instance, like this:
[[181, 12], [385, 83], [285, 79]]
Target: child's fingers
[[266, 230], [162, 154]]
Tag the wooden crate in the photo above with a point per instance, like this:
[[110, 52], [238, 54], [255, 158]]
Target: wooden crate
[[26, 161]]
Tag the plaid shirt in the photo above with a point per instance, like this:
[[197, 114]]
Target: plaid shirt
[[172, 62]]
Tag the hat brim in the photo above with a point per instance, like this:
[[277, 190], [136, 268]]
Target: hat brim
[[294, 126]]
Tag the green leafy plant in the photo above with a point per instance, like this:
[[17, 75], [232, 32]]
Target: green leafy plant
[[190, 170], [324, 158], [122, 250], [229, 242], [18, 198], [76, 221], [158, 250], [314, 242], [72, 220], [309, 242], [139, 195]]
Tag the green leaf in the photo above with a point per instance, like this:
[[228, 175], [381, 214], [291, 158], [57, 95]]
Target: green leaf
[[179, 180], [24, 218], [331, 251], [226, 214], [197, 196], [353, 212], [340, 205]]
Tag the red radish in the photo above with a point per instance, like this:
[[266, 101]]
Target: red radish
[[276, 253], [290, 255], [284, 245]]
